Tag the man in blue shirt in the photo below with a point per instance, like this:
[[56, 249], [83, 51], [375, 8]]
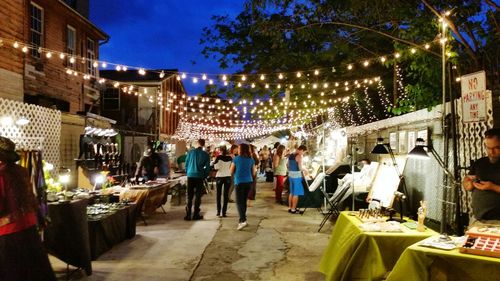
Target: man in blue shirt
[[197, 168]]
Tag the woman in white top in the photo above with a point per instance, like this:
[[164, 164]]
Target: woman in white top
[[223, 179], [280, 171]]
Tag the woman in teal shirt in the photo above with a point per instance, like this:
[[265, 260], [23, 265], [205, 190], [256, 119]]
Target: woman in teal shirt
[[243, 169]]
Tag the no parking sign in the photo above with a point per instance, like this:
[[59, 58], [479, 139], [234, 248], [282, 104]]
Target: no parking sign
[[473, 97]]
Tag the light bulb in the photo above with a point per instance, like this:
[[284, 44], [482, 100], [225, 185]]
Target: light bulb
[[299, 74], [262, 77], [61, 56], [383, 59], [16, 45], [24, 49], [366, 63], [413, 50], [243, 78], [397, 55], [183, 75], [204, 77], [95, 64], [162, 74], [349, 67], [104, 65], [48, 55], [316, 72]]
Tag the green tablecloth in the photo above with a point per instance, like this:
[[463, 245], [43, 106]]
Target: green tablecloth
[[356, 255], [421, 263]]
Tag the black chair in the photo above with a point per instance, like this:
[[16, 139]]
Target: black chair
[[333, 203]]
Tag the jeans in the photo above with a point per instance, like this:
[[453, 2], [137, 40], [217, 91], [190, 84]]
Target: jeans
[[223, 182], [194, 189], [242, 190]]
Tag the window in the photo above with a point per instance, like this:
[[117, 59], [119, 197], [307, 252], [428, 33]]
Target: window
[[111, 99], [91, 57], [70, 45], [36, 28]]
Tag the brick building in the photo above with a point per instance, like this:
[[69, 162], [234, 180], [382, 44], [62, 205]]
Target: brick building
[[149, 112], [39, 75], [33, 35]]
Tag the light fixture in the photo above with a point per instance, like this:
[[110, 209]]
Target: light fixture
[[381, 147], [22, 121], [6, 121]]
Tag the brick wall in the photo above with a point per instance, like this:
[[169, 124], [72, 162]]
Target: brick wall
[[11, 64], [48, 77]]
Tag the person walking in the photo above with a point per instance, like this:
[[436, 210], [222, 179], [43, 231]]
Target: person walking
[[197, 169], [279, 165], [295, 171], [22, 256], [233, 152], [244, 170], [223, 179], [253, 188]]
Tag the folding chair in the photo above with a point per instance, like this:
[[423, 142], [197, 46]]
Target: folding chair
[[340, 195]]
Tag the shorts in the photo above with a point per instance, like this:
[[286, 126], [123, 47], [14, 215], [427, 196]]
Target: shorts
[[296, 187]]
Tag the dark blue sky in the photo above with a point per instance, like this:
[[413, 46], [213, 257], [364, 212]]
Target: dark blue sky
[[159, 33]]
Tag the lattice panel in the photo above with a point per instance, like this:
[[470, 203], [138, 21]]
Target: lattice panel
[[43, 132], [470, 143]]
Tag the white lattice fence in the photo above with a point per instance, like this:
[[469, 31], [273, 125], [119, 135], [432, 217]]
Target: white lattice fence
[[42, 132], [470, 145]]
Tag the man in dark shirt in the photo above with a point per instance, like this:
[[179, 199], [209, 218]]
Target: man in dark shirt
[[148, 165], [484, 180]]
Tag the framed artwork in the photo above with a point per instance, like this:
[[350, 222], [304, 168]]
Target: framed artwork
[[393, 141], [424, 134], [412, 137], [403, 143]]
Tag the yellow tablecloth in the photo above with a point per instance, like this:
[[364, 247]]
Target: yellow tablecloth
[[147, 198], [421, 263], [356, 255]]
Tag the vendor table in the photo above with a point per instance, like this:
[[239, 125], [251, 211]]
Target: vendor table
[[421, 263], [111, 229], [353, 254], [147, 197], [67, 236]]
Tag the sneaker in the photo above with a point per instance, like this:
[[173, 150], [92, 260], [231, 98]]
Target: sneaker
[[197, 217], [218, 214], [297, 211], [290, 210], [242, 225], [294, 211], [224, 215], [187, 218]]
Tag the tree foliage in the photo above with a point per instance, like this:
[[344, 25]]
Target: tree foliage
[[288, 36]]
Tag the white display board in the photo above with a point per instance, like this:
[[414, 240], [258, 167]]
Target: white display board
[[386, 180]]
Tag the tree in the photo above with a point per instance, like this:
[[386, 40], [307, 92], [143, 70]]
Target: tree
[[271, 37]]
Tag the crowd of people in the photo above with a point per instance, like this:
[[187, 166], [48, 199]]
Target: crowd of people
[[237, 169]]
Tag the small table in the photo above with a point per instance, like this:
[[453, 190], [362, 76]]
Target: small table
[[421, 263], [147, 197], [353, 254]]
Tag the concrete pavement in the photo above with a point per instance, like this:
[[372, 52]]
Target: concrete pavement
[[275, 246]]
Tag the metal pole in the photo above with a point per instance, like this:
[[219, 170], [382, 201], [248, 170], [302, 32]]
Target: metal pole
[[443, 119]]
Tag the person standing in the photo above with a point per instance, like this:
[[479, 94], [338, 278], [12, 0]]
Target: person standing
[[233, 152], [223, 179], [279, 165], [253, 188], [244, 170], [295, 171], [197, 169], [148, 165], [484, 180], [22, 256]]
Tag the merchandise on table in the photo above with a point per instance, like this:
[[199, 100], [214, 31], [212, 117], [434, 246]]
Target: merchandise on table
[[484, 241]]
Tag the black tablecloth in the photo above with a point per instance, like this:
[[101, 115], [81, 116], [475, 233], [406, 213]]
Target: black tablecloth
[[67, 236], [111, 229]]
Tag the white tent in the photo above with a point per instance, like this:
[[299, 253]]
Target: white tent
[[269, 141]]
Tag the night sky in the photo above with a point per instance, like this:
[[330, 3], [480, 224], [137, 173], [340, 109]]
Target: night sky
[[159, 33]]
